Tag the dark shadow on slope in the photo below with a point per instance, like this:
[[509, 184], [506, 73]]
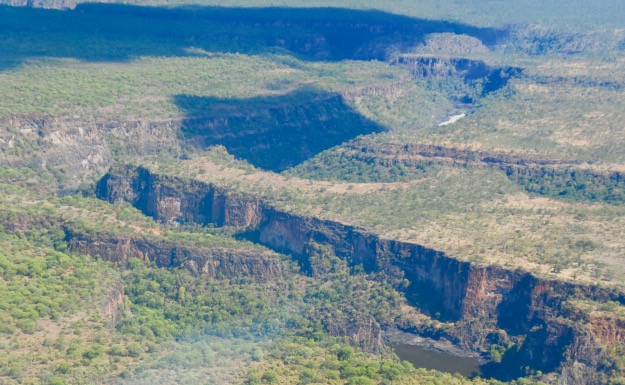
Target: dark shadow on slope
[[544, 349], [273, 133], [107, 32], [462, 79]]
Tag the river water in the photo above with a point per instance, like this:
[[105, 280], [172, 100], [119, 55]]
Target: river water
[[423, 358], [452, 119]]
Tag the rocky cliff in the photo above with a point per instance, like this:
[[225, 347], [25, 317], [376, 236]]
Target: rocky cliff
[[477, 76], [76, 148], [210, 262], [272, 133], [488, 304], [206, 260], [114, 305]]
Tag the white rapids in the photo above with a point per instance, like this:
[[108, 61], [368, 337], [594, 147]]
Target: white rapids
[[452, 119]]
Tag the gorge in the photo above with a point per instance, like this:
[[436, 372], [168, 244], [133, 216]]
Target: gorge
[[487, 304]]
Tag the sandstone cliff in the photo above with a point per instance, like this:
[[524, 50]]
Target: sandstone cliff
[[209, 262], [483, 301]]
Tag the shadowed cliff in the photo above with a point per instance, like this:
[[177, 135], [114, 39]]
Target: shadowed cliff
[[106, 32], [273, 133]]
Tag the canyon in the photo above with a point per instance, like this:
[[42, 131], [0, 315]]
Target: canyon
[[486, 304], [279, 177]]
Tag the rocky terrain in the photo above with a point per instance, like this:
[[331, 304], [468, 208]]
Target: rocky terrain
[[487, 304], [260, 192]]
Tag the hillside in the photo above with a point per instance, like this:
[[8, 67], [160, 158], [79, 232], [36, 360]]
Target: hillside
[[295, 192]]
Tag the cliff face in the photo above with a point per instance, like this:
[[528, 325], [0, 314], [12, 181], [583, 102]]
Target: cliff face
[[483, 301], [272, 133], [209, 262], [473, 73], [363, 330], [114, 302], [169, 199], [80, 148]]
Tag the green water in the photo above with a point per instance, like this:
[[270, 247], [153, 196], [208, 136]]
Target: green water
[[423, 358]]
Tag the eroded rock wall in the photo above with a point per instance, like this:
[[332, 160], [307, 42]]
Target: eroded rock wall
[[484, 301], [210, 262]]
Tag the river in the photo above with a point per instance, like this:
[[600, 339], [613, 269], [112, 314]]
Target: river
[[428, 359]]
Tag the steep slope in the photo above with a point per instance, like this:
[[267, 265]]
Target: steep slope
[[483, 301]]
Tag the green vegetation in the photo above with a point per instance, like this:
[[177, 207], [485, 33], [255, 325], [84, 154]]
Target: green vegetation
[[53, 302], [471, 213], [57, 303], [306, 361], [569, 184], [574, 185], [166, 303], [554, 121], [37, 279], [337, 165], [221, 94], [53, 327], [146, 87], [171, 302]]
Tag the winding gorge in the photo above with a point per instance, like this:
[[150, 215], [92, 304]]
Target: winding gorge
[[283, 192], [487, 304]]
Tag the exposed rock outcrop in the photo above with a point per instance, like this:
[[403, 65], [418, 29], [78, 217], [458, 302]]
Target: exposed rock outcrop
[[210, 262], [475, 74], [114, 302], [79, 148], [363, 331], [526, 308]]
